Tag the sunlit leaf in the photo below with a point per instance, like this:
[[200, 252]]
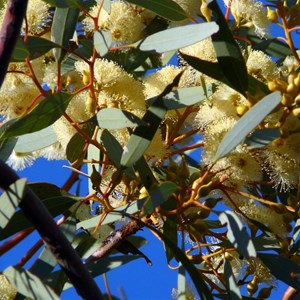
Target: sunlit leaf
[[9, 201], [283, 269], [161, 194], [35, 141], [34, 48], [230, 58], [184, 97], [262, 137], [46, 113], [168, 40], [247, 123], [237, 234], [105, 4], [232, 287], [181, 284], [164, 8], [116, 214], [29, 285], [102, 41], [114, 118], [62, 30]]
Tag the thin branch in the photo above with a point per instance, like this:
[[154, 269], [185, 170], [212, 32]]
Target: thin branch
[[57, 243]]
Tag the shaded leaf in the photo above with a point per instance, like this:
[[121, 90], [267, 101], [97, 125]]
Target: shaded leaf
[[142, 137], [6, 148], [170, 230], [114, 118], [45, 114], [93, 154], [96, 268], [102, 41], [34, 48], [63, 28], [247, 123], [237, 234], [28, 284], [283, 269], [9, 201], [76, 145], [18, 222], [232, 287], [160, 195], [35, 141], [145, 172], [168, 40], [198, 281], [64, 3], [262, 137], [112, 146], [230, 58], [165, 8]]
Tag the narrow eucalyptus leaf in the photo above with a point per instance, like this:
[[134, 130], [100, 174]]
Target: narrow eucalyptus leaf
[[282, 268], [168, 40], [247, 123], [142, 136], [34, 48], [63, 28], [102, 41], [9, 201], [262, 137], [237, 234], [165, 8], [35, 141], [46, 113], [231, 285], [114, 118], [6, 147], [29, 285], [229, 55], [64, 3]]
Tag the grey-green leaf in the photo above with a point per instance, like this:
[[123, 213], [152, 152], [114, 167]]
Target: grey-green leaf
[[28, 284], [35, 141], [247, 123], [46, 113], [237, 234], [168, 39], [63, 28], [185, 97], [102, 41], [114, 118], [9, 201], [232, 287]]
